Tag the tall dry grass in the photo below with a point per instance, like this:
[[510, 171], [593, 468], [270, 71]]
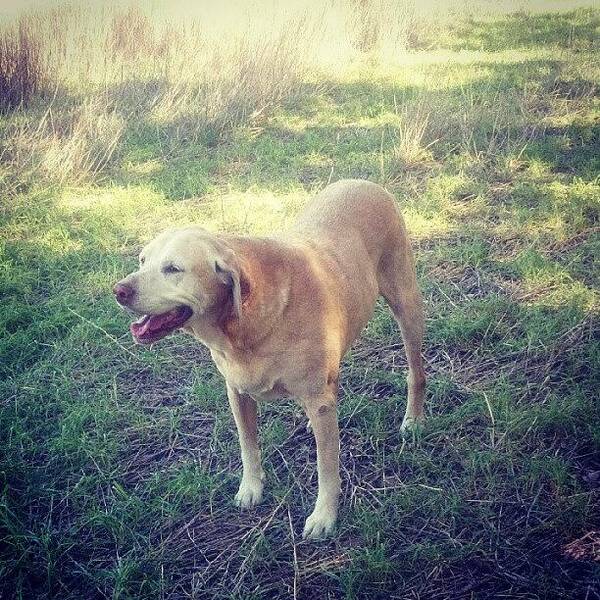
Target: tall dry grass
[[88, 73], [22, 70], [63, 146]]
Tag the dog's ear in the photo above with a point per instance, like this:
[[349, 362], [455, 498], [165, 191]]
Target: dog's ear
[[229, 272]]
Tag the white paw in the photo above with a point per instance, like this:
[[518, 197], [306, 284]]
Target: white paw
[[250, 492], [411, 424], [320, 523]]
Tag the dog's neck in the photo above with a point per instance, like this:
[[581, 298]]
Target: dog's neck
[[265, 289]]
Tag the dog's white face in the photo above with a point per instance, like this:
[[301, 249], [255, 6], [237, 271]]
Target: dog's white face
[[181, 277]]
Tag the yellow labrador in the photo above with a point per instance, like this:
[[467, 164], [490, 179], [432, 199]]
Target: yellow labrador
[[279, 313]]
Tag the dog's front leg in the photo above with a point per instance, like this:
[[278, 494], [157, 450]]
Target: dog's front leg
[[322, 414], [243, 408]]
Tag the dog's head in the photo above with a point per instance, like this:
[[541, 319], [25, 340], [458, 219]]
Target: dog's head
[[184, 276]]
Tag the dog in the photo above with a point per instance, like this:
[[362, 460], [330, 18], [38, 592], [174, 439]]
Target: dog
[[279, 313]]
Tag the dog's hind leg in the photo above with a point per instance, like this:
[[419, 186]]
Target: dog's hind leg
[[398, 285]]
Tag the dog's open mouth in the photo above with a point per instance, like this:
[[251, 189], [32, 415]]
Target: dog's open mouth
[[151, 328]]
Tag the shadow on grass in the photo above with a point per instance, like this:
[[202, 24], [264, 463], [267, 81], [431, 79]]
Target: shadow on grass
[[571, 150]]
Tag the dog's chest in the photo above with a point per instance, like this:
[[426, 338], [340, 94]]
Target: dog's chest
[[261, 379]]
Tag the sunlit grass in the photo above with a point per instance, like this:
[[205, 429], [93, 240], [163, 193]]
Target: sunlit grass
[[118, 463]]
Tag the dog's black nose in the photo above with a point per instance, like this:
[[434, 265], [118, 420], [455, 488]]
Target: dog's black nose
[[123, 293]]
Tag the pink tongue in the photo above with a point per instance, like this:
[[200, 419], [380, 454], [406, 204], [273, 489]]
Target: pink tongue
[[154, 323]]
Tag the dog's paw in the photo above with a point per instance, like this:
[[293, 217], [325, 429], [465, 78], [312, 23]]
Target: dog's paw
[[412, 425], [250, 492], [319, 524]]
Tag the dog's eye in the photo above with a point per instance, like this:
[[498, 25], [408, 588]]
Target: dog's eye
[[168, 269], [142, 260]]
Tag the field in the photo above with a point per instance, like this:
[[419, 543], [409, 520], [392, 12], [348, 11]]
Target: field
[[118, 463]]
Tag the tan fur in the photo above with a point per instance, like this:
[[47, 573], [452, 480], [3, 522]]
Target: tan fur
[[302, 299]]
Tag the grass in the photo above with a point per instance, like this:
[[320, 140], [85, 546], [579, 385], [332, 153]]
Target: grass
[[118, 464]]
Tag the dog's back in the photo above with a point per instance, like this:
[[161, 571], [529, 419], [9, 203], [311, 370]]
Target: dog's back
[[351, 208]]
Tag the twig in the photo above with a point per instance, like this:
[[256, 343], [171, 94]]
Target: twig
[[493, 431], [535, 499], [295, 554], [239, 576], [108, 335]]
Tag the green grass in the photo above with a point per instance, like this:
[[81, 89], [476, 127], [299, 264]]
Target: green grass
[[118, 464]]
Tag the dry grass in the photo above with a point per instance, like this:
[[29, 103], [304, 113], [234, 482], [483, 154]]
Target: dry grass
[[184, 76], [412, 141], [64, 146], [22, 71], [192, 75]]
